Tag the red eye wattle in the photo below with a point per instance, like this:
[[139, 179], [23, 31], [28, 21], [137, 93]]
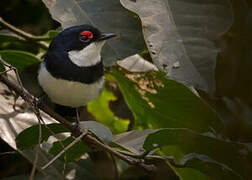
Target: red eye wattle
[[88, 34]]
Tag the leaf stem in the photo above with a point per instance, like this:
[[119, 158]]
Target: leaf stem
[[25, 35]]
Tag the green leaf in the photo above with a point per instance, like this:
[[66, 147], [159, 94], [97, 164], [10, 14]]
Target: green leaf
[[19, 59], [29, 137], [190, 174], [8, 38], [236, 156], [11, 41], [72, 154], [101, 131], [157, 102], [213, 169], [100, 109]]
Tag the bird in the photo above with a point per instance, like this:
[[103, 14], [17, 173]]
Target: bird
[[72, 73]]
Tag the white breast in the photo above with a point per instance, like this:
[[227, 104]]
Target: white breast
[[88, 56], [68, 93]]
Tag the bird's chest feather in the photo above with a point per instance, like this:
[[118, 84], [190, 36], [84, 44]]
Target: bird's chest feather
[[69, 93]]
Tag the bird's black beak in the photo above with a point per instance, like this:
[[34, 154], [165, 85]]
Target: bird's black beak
[[106, 36]]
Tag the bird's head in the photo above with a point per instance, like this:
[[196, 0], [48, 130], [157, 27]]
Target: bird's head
[[79, 37], [82, 43]]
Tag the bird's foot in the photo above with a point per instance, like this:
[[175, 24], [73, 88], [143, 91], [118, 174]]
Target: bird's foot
[[41, 100], [76, 130]]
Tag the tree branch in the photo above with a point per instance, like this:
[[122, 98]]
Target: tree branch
[[25, 35], [89, 140]]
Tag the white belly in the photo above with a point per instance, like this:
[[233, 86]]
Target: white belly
[[68, 93]]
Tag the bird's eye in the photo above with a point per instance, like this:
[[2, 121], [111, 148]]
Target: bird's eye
[[86, 36]]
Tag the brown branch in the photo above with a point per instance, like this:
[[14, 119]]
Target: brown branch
[[25, 35], [89, 140]]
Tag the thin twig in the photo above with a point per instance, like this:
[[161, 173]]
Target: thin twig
[[168, 158], [64, 166], [37, 113], [36, 154], [5, 72], [65, 149], [25, 35], [5, 64], [34, 163], [22, 33], [7, 153]]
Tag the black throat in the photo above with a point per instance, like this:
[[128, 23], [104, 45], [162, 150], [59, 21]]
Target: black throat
[[60, 66]]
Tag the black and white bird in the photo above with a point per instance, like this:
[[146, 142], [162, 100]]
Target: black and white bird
[[72, 71]]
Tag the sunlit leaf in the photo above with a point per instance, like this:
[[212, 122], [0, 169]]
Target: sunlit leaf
[[157, 102], [100, 109]]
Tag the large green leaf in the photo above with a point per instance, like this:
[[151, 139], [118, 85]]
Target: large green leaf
[[157, 102], [19, 59], [231, 155], [108, 16], [181, 35], [29, 137]]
